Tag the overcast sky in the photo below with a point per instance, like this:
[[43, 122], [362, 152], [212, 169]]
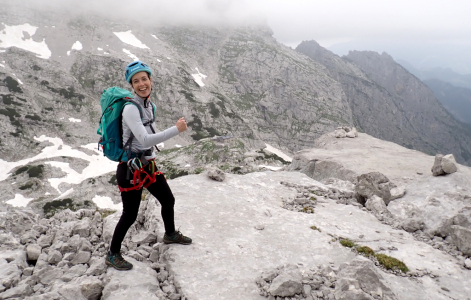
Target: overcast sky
[[326, 21], [399, 22], [332, 21]]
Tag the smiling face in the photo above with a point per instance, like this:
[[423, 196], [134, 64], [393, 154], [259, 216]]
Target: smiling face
[[141, 83]]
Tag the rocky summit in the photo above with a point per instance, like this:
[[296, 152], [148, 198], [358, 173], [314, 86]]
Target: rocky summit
[[298, 233]]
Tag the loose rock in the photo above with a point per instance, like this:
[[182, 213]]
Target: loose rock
[[216, 174]]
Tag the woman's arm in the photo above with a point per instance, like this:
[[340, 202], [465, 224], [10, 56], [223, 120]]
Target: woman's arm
[[133, 120]]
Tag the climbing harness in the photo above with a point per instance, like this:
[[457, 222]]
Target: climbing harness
[[141, 177]]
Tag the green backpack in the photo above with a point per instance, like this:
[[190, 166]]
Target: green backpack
[[110, 130]]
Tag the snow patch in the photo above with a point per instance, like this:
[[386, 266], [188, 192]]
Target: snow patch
[[68, 53], [100, 49], [13, 36], [278, 152], [154, 36], [65, 194], [161, 145], [168, 57], [199, 77], [19, 201], [2, 66], [129, 38], [187, 165], [75, 120], [98, 164], [77, 46], [105, 53], [104, 202], [178, 146], [270, 167], [159, 60], [134, 57]]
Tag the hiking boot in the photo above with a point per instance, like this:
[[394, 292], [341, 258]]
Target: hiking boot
[[117, 262], [178, 238]]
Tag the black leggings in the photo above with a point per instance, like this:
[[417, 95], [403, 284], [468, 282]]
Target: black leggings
[[132, 200]]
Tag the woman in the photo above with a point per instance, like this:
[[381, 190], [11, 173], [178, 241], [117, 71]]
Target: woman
[[138, 74]]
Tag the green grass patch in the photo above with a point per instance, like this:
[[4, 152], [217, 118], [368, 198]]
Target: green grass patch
[[12, 85], [315, 228], [308, 210], [365, 250], [52, 207], [113, 180], [391, 263], [106, 212], [199, 170], [347, 243], [388, 262], [21, 170], [36, 171]]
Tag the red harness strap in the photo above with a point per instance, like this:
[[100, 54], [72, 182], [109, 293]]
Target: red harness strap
[[145, 182]]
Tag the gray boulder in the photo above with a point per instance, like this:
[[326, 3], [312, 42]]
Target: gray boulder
[[49, 274], [359, 279], [377, 206], [444, 165], [461, 237], [216, 174], [33, 251], [286, 284], [412, 224], [54, 257], [463, 218], [467, 263], [20, 291], [374, 183], [82, 227], [82, 257], [144, 237], [109, 224], [9, 274], [91, 288], [397, 192], [45, 241], [449, 164], [97, 266], [340, 133]]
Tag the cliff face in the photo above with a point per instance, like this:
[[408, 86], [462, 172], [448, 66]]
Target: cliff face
[[237, 81], [457, 100], [390, 103]]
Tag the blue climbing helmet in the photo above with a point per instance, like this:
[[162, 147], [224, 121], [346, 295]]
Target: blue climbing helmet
[[135, 67]]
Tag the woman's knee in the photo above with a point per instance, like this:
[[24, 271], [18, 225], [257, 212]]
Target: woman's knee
[[129, 217]]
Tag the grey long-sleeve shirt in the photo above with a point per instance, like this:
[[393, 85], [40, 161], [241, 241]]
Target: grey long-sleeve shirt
[[144, 139]]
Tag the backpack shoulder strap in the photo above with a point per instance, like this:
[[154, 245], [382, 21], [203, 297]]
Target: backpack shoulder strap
[[153, 112], [129, 101]]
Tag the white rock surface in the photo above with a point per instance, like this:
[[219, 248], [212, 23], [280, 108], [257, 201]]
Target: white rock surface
[[231, 252], [138, 283]]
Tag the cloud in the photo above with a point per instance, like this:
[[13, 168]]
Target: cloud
[[291, 20], [154, 12]]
